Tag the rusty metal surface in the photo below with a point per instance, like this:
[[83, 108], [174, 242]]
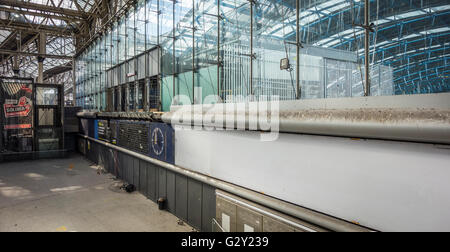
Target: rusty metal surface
[[421, 118]]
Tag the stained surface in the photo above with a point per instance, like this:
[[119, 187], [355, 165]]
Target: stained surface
[[70, 195]]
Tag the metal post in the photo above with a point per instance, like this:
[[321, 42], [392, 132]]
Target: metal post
[[119, 98], [42, 47], [173, 48], [251, 47], [159, 78], [193, 51], [15, 68], [127, 97], [218, 48], [367, 47], [74, 94], [298, 50]]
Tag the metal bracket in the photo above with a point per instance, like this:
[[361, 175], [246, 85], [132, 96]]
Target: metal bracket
[[295, 43], [213, 15], [253, 56], [365, 27]]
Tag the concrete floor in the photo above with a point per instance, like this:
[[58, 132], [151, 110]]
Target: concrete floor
[[69, 195]]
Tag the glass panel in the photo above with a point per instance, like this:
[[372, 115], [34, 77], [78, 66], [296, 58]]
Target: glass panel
[[130, 34], [274, 38], [46, 96], [140, 27], [235, 46], [122, 40], [151, 24], [48, 139], [312, 77], [206, 51], [114, 44], [183, 51], [166, 37]]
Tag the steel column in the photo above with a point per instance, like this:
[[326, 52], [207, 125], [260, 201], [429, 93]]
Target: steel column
[[298, 49], [367, 47], [193, 51], [251, 46], [42, 50], [218, 48]]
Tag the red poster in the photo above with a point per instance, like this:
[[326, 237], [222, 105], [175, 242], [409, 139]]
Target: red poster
[[17, 126], [21, 109], [16, 106]]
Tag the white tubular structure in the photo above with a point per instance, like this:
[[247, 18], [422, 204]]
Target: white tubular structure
[[417, 118]]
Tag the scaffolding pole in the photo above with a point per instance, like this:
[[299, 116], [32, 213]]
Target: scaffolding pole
[[298, 50], [367, 47]]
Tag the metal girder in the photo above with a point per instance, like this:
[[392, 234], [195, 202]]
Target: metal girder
[[114, 14], [10, 52], [14, 25], [46, 8], [11, 36], [42, 14], [24, 43]]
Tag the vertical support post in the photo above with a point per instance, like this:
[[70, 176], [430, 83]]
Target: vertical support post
[[218, 48], [16, 65], [251, 47], [159, 76], [74, 83], [193, 52], [173, 49], [147, 94], [298, 49], [41, 49], [127, 97], [367, 47], [61, 107], [116, 99], [119, 98], [16, 68]]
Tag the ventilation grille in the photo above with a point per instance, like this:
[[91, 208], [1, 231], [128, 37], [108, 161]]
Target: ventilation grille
[[134, 136]]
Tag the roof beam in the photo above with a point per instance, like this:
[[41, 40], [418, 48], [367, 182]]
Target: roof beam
[[11, 36], [54, 56], [11, 25], [24, 43], [41, 14], [45, 8]]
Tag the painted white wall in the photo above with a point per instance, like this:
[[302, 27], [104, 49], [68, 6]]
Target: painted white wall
[[388, 186]]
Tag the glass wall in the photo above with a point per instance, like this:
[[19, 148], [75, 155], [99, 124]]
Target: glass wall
[[207, 51]]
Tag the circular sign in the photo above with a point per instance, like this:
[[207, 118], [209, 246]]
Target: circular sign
[[157, 141]]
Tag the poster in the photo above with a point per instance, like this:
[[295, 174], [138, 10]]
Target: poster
[[16, 100]]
